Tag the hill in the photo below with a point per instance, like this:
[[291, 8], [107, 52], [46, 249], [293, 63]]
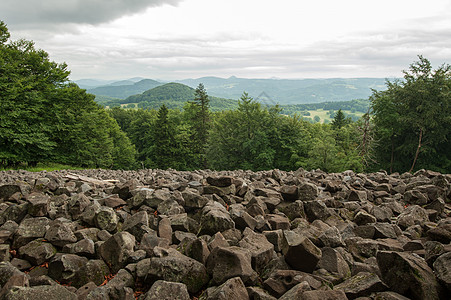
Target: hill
[[123, 89], [290, 91], [175, 95], [267, 91]]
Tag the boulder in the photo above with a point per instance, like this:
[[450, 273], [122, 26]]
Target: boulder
[[117, 249], [224, 263], [299, 252], [408, 275], [176, 267], [167, 290]]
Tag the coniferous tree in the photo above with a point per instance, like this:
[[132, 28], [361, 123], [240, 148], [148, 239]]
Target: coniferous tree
[[163, 140], [201, 124]]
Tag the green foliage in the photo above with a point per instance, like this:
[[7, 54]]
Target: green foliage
[[44, 118], [413, 119]]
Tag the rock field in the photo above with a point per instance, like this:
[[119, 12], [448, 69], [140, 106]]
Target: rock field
[[154, 234]]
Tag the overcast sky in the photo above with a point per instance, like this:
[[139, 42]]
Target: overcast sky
[[176, 39]]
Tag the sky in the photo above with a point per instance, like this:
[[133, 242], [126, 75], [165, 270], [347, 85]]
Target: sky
[[179, 39]]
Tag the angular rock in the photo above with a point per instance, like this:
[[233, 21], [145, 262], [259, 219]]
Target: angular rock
[[324, 295], [362, 284], [176, 267], [48, 292], [106, 218], [257, 293], [363, 218], [316, 210], [442, 267], [225, 263], [37, 252], [95, 270], [278, 222], [215, 218], [332, 261], [29, 230], [65, 267], [60, 233], [231, 289], [137, 224], [412, 215], [307, 191], [222, 181], [117, 249], [39, 204], [299, 252], [167, 290], [408, 275], [261, 250]]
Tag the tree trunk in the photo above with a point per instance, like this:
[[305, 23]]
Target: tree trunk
[[418, 151]]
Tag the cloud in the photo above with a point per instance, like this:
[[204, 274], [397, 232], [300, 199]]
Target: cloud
[[52, 12]]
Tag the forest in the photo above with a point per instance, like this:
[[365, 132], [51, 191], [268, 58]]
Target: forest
[[46, 118]]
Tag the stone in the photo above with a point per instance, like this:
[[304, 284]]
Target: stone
[[39, 204], [137, 224], [84, 247], [194, 200], [95, 270], [324, 295], [37, 252], [299, 252], [231, 289], [359, 196], [316, 210], [107, 219], [412, 215], [278, 222], [294, 210], [167, 290], [442, 267], [176, 267], [289, 192], [281, 281], [215, 218], [48, 292], [83, 291], [408, 275], [77, 204], [225, 263], [307, 191], [262, 251], [363, 218], [65, 267], [60, 233], [29, 230], [220, 181], [362, 284], [332, 261], [141, 195], [116, 250], [257, 293], [195, 248], [165, 229]]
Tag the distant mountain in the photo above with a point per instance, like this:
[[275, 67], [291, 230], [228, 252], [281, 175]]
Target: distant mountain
[[290, 91], [175, 96], [92, 83], [268, 91], [125, 88]]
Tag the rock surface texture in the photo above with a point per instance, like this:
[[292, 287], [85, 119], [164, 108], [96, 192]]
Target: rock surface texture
[[165, 234]]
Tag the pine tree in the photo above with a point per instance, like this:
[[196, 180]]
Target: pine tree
[[201, 124], [164, 138]]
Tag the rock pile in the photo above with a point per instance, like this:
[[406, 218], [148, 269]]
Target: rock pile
[[153, 234]]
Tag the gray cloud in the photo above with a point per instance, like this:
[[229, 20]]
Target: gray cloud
[[52, 12]]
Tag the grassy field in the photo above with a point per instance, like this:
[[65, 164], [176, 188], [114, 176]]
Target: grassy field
[[324, 114]]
